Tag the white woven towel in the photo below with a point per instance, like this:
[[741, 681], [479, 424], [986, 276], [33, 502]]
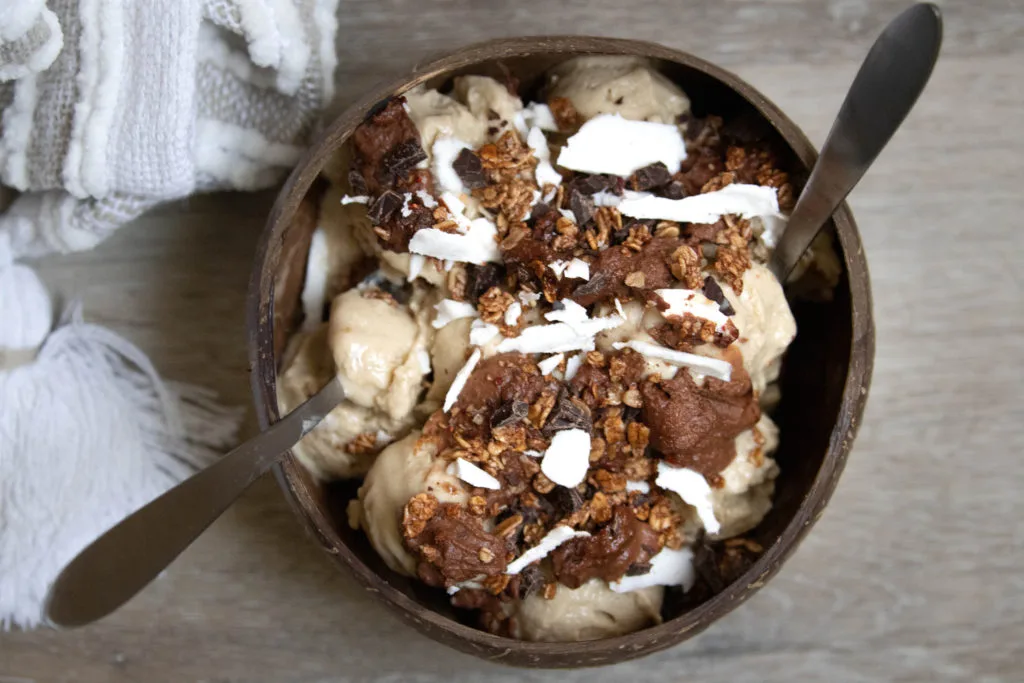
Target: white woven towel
[[110, 107]]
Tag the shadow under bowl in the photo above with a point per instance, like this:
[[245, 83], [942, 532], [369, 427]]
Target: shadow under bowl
[[824, 381]]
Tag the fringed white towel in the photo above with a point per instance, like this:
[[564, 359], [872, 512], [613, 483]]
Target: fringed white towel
[[110, 107]]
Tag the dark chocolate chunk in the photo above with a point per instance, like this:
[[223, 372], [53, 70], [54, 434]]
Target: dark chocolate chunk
[[567, 414], [582, 206], [539, 210], [509, 413], [674, 190], [592, 184], [567, 500], [357, 182], [401, 159], [482, 278], [470, 170], [596, 284], [713, 291], [639, 569], [650, 177], [384, 207]]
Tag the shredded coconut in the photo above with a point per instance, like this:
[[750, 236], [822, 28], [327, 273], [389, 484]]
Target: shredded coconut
[[567, 458], [746, 201], [477, 246], [460, 380], [578, 269], [554, 538], [611, 144], [449, 310], [573, 365], [706, 366], [355, 199], [472, 475], [481, 333], [548, 365], [668, 568], [692, 488], [682, 301], [444, 152], [512, 313]]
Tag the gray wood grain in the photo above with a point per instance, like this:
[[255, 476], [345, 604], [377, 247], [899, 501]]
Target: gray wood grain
[[913, 574]]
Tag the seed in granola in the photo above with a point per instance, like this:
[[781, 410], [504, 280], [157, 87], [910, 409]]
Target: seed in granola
[[477, 505], [417, 512], [541, 484], [493, 304], [485, 555], [497, 583], [509, 526], [609, 481], [685, 265], [364, 443], [635, 279], [638, 435], [550, 590], [565, 114], [632, 397]]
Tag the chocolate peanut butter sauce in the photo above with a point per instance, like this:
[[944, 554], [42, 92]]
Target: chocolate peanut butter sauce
[[624, 543], [696, 426]]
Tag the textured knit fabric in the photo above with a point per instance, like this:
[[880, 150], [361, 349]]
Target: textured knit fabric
[[108, 108]]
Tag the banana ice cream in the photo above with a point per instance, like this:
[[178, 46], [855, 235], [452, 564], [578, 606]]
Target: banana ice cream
[[556, 335]]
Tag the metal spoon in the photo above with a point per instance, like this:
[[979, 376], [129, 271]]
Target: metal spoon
[[120, 563], [889, 82]]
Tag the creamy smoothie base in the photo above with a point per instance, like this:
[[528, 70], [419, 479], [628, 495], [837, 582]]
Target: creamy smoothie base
[[556, 334]]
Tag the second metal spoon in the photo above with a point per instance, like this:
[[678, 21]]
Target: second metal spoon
[[888, 84]]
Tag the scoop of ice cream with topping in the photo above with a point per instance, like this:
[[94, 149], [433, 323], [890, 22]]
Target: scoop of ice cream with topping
[[554, 327]]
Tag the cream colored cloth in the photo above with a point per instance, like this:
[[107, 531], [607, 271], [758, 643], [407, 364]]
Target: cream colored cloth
[[110, 107]]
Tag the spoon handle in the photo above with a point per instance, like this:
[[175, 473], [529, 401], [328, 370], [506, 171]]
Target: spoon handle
[[888, 84], [129, 555]]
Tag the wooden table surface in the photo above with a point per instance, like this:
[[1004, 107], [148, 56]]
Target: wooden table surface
[[913, 574]]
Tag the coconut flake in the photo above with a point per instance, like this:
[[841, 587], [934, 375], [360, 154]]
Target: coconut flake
[[423, 358], [457, 209], [481, 333], [746, 201], [706, 366], [567, 458], [605, 198], [682, 301], [427, 199], [472, 475], [566, 213], [314, 289], [416, 263], [641, 486], [558, 267], [535, 114], [611, 144], [444, 151], [773, 227], [545, 172], [668, 568], [571, 312], [573, 365], [554, 538], [512, 313], [477, 246], [355, 199], [548, 365], [382, 438], [692, 488], [449, 310], [578, 269], [618, 307], [460, 380], [529, 299], [533, 454], [406, 210]]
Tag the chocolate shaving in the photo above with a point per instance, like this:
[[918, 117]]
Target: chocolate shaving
[[384, 207], [594, 183], [582, 206], [509, 413], [402, 158], [470, 170], [568, 413], [713, 291], [650, 177], [482, 278], [357, 183], [567, 500]]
